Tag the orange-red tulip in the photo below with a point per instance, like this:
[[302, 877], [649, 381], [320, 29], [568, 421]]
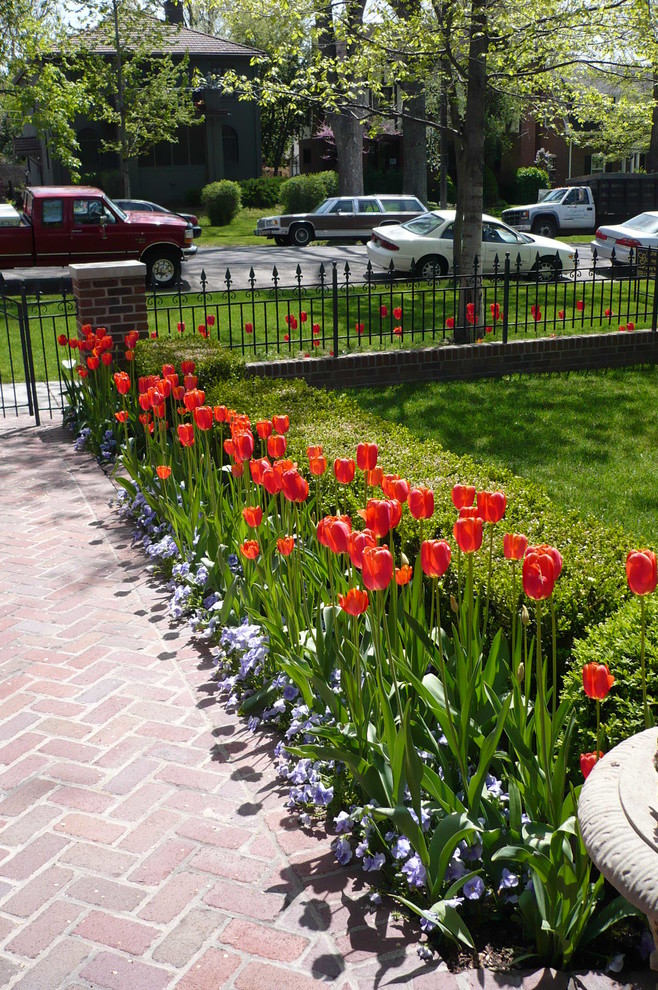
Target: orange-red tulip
[[403, 574], [468, 534], [377, 569], [276, 445], [194, 398], [243, 444], [421, 503], [337, 534], [355, 602], [122, 382], [380, 515], [491, 506], [163, 471], [264, 429], [281, 424], [538, 576], [357, 543], [386, 482], [515, 546], [294, 487], [399, 489], [597, 680], [366, 456], [588, 761], [344, 468], [186, 434], [463, 495], [221, 414], [203, 417], [317, 465], [434, 557], [250, 549], [252, 515], [374, 477], [93, 362], [257, 468], [187, 367], [641, 572], [314, 450], [285, 545], [121, 417], [554, 554]]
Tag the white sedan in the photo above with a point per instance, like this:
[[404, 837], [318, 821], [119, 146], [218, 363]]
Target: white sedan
[[426, 244], [638, 232]]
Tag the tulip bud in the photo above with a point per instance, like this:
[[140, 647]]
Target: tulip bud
[[520, 672], [525, 616], [453, 604], [404, 560]]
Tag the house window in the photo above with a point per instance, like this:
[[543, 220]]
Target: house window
[[190, 149], [230, 145], [598, 164]]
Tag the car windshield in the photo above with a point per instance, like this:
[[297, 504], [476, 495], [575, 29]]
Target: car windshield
[[425, 224], [118, 210], [554, 196], [647, 222]]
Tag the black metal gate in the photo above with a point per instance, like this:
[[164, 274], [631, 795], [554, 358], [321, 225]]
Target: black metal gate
[[30, 374]]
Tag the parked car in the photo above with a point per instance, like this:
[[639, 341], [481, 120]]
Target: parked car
[[426, 245], [340, 218], [638, 232], [145, 206]]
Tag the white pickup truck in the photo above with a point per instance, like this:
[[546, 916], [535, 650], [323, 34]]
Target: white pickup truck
[[560, 211]]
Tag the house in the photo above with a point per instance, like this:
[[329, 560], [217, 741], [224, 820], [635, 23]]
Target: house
[[226, 145]]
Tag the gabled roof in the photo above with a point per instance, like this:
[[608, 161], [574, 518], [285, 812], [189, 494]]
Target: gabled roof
[[178, 40]]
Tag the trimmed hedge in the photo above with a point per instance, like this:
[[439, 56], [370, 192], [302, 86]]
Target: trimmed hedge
[[215, 365], [262, 193], [222, 201], [528, 183], [304, 192]]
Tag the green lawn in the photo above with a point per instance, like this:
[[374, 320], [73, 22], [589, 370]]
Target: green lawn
[[238, 233], [589, 438]]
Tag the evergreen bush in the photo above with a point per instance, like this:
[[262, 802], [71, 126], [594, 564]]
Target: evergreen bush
[[222, 201]]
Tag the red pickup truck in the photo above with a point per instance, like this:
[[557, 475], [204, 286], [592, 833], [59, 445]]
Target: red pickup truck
[[62, 225]]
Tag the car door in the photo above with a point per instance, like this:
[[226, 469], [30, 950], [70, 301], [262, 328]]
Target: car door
[[52, 236], [498, 241], [576, 211], [97, 234], [338, 222], [368, 216]]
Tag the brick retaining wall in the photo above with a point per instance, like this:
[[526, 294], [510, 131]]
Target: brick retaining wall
[[468, 361]]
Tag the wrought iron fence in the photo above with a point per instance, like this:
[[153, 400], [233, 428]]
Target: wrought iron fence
[[332, 311]]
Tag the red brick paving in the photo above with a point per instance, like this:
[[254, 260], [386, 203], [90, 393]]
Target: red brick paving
[[143, 841]]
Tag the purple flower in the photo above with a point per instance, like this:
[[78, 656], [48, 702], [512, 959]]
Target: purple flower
[[343, 852], [415, 872], [322, 795], [362, 848], [402, 848], [343, 822], [508, 880], [474, 888], [371, 863]]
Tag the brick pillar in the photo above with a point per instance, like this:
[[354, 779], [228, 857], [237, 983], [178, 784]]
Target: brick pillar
[[111, 295]]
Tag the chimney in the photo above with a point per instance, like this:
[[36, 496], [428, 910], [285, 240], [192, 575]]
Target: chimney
[[173, 10]]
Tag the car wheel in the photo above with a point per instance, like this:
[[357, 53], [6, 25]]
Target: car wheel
[[431, 266], [545, 227], [281, 240], [163, 270], [547, 269], [301, 235]]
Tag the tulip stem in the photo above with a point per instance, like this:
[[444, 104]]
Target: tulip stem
[[598, 729], [540, 712], [513, 607], [554, 634], [486, 610], [647, 721]]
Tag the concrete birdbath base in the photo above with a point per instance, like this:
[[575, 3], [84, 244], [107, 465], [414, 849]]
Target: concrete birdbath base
[[618, 817]]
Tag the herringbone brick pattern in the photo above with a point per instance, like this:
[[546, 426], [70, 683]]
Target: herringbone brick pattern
[[143, 839]]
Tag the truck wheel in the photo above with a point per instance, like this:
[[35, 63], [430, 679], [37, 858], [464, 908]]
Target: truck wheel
[[162, 269], [301, 235], [545, 227]]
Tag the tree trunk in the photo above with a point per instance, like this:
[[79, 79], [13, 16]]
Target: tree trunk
[[652, 157], [348, 133], [414, 145], [470, 164]]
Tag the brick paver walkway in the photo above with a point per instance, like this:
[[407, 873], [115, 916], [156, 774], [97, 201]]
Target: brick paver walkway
[[143, 839]]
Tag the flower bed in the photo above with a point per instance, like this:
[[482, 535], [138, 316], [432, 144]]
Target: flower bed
[[437, 743]]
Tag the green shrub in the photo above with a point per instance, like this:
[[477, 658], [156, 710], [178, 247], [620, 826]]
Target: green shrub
[[304, 192], [215, 364], [616, 641], [222, 201], [529, 181], [330, 181], [435, 192], [261, 193]]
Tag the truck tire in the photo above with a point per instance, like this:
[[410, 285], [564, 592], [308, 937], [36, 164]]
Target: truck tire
[[162, 268], [301, 234], [544, 226]]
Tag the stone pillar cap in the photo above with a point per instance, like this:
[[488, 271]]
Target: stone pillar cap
[[107, 269]]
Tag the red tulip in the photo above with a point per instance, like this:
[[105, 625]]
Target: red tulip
[[357, 543], [237, 469], [82, 372], [495, 310], [264, 429], [321, 529], [248, 328], [186, 434], [377, 568], [252, 515], [580, 305], [386, 482], [190, 381], [538, 575], [295, 488], [379, 515], [560, 314], [314, 450], [515, 546], [271, 481], [588, 761], [221, 414], [187, 367], [383, 311], [285, 545], [554, 554], [281, 424], [121, 417], [250, 549], [203, 417], [450, 323], [180, 327], [463, 495], [421, 503], [344, 468], [122, 382], [403, 574], [434, 557], [355, 602], [399, 489], [630, 326], [193, 398], [163, 471], [317, 466], [106, 358], [374, 477], [257, 468], [93, 362], [397, 313], [491, 506], [210, 320], [276, 445], [470, 312], [337, 534], [641, 571], [468, 534], [62, 340], [366, 456], [597, 680], [243, 445]]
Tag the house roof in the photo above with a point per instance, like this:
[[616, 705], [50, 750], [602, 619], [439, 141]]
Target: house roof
[[178, 40]]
